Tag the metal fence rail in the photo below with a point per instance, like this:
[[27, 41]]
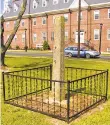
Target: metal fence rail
[[34, 89]]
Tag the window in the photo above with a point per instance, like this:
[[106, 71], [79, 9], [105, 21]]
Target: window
[[109, 13], [22, 23], [34, 21], [52, 36], [14, 23], [15, 7], [44, 3], [96, 34], [66, 1], [23, 37], [53, 19], [66, 36], [15, 38], [35, 4], [44, 37], [43, 20], [55, 2], [7, 37], [34, 37], [108, 34], [96, 14], [7, 24], [80, 16], [7, 10], [66, 17]]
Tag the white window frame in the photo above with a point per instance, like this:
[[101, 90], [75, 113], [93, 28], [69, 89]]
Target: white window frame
[[96, 32], [44, 36], [96, 12], [52, 36], [55, 2], [7, 37], [34, 21], [23, 37], [7, 24], [34, 37], [44, 3], [15, 7], [66, 1], [108, 13], [15, 38], [23, 21], [53, 19], [44, 19], [7, 10], [66, 35], [108, 34], [35, 4], [14, 23], [66, 17]]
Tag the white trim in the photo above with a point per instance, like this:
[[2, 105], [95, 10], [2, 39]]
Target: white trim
[[108, 32], [65, 1], [34, 36], [96, 32], [98, 13], [44, 2], [34, 20], [55, 1], [43, 20], [108, 13], [100, 4]]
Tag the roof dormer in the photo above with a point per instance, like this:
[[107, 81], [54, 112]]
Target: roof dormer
[[35, 4], [55, 2], [15, 7], [44, 3]]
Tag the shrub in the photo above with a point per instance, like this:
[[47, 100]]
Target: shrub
[[46, 45], [26, 47], [10, 47], [17, 47]]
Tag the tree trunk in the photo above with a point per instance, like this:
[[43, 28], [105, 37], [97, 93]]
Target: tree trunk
[[9, 41], [3, 59]]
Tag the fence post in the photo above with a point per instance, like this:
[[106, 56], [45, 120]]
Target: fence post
[[68, 100], [106, 84], [3, 86], [50, 76]]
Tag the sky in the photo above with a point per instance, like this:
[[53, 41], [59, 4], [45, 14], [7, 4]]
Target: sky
[[1, 6]]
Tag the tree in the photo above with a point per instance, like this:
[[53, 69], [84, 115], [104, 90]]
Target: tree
[[4, 47], [46, 45]]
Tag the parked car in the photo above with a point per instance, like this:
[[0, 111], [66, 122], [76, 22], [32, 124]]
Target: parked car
[[73, 52]]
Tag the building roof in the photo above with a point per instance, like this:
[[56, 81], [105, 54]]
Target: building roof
[[50, 7], [90, 2]]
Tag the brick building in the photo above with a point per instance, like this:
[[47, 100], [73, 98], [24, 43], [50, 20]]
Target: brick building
[[39, 22]]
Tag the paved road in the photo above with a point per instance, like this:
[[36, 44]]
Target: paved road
[[31, 54], [42, 54]]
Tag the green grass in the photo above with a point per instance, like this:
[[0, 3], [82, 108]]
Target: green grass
[[16, 116]]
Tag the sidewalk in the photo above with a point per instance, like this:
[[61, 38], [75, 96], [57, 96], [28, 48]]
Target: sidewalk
[[33, 51]]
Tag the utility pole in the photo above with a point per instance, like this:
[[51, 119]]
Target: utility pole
[[100, 38], [25, 41], [79, 22]]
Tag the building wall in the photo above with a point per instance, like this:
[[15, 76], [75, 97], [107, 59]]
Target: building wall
[[88, 24]]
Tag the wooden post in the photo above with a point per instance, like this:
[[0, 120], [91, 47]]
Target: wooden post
[[58, 56]]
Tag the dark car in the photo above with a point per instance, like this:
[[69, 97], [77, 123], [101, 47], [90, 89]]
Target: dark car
[[73, 52]]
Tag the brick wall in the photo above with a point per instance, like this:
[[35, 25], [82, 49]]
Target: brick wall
[[88, 24]]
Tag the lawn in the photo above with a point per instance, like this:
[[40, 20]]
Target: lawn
[[16, 116]]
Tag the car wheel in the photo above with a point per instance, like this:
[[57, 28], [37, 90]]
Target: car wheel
[[69, 54], [88, 56]]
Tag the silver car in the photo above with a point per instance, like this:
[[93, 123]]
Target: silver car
[[73, 52]]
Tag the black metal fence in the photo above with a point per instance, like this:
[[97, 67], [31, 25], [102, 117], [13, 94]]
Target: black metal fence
[[34, 89]]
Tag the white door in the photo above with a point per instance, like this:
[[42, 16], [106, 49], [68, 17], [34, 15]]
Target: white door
[[81, 37]]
